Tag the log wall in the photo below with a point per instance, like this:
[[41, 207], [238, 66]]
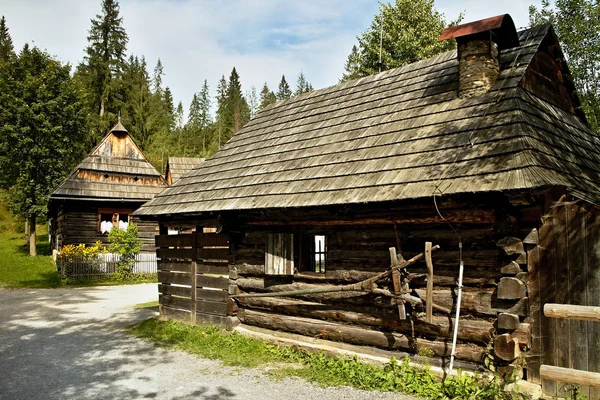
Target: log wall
[[358, 248], [78, 223]]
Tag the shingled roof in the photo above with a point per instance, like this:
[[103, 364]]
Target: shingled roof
[[400, 134], [179, 166], [115, 170]]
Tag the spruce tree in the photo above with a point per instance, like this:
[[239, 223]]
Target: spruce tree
[[103, 64], [302, 85], [6, 45], [137, 97], [252, 101], [352, 66], [283, 91], [179, 116], [267, 97], [204, 115], [221, 111], [237, 111]]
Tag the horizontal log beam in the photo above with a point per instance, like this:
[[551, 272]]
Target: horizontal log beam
[[569, 311], [356, 335], [572, 376]]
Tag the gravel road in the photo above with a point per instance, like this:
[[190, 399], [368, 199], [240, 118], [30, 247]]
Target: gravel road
[[70, 344]]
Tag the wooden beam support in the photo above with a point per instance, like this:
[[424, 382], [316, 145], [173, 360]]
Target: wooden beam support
[[569, 311], [429, 292], [572, 376]]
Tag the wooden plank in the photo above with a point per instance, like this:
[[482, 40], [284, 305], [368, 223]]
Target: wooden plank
[[217, 282], [593, 292], [289, 254], [429, 292], [571, 376], [562, 340], [211, 239], [577, 288], [212, 307], [534, 356], [175, 314], [269, 261], [182, 254], [182, 303], [178, 278], [176, 266], [212, 295], [569, 311], [208, 253], [547, 293], [173, 240], [175, 290], [397, 290], [220, 269]]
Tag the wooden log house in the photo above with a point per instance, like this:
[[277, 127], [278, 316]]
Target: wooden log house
[[114, 180], [484, 151]]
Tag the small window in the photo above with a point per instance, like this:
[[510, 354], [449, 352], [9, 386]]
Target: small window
[[109, 219], [312, 253]]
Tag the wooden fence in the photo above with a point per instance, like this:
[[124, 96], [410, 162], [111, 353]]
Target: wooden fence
[[103, 266], [564, 269], [193, 275]]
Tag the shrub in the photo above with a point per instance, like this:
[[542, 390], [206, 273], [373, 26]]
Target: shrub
[[126, 244], [73, 254]]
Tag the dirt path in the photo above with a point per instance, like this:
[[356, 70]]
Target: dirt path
[[69, 344]]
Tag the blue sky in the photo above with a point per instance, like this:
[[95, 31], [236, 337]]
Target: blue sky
[[203, 39]]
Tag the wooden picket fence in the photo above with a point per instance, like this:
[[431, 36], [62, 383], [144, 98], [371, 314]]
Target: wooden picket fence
[[193, 275], [103, 266]]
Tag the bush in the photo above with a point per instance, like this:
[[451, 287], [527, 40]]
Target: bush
[[126, 244]]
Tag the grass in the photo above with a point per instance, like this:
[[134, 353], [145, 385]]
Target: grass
[[234, 349], [151, 305]]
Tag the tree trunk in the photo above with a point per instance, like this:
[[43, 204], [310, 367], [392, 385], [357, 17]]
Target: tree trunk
[[32, 248], [26, 232]]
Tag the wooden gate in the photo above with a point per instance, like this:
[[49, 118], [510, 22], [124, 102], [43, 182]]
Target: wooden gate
[[193, 276], [564, 268]]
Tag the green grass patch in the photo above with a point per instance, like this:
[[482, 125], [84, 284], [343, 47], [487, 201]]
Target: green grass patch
[[151, 305], [234, 349]]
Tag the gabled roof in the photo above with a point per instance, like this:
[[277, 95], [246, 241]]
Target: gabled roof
[[179, 166], [400, 134], [116, 169]]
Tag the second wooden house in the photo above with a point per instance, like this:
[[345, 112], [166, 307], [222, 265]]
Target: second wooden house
[[114, 180]]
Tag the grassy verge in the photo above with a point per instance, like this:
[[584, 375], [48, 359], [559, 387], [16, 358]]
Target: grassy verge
[[237, 350]]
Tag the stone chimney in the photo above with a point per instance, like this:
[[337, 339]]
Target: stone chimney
[[479, 45]]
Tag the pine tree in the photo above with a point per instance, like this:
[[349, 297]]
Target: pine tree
[[237, 110], [103, 64], [267, 97], [302, 85], [283, 91], [221, 110], [252, 100], [179, 117], [6, 45], [406, 31], [352, 66]]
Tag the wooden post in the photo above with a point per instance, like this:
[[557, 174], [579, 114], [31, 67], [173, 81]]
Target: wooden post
[[396, 281], [194, 272], [429, 294]]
